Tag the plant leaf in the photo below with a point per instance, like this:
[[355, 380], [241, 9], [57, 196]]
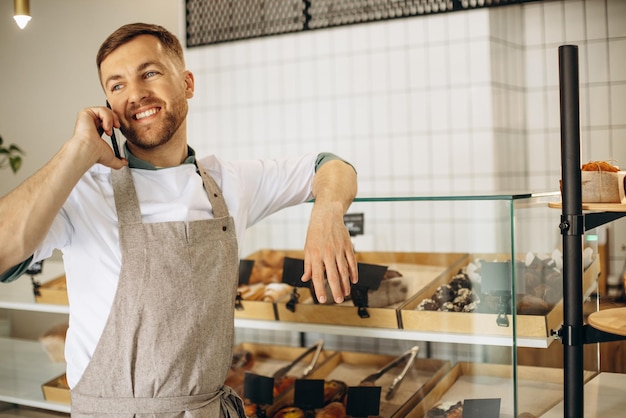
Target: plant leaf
[[16, 163]]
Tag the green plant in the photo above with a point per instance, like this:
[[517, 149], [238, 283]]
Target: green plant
[[11, 156]]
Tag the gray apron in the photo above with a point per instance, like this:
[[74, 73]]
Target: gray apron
[[167, 345]]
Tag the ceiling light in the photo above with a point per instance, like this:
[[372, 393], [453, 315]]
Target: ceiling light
[[21, 9]]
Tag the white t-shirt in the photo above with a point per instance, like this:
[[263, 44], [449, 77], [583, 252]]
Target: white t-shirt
[[86, 229]]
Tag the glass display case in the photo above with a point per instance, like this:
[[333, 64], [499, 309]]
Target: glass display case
[[503, 249]]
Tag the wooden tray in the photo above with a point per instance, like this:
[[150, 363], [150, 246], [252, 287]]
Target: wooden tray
[[538, 388], [269, 358], [252, 309], [352, 367], [531, 326], [57, 390], [418, 270], [53, 291]]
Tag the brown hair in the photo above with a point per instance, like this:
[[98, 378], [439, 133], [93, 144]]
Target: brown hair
[[130, 31]]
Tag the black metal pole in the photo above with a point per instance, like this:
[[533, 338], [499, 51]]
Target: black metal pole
[[572, 229]]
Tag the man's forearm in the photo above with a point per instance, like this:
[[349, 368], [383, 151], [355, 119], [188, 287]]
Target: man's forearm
[[27, 212]]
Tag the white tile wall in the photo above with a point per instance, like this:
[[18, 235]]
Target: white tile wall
[[463, 102]]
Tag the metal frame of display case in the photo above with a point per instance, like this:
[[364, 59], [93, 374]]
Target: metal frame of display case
[[574, 333]]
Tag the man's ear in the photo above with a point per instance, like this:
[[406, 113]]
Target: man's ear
[[189, 84]]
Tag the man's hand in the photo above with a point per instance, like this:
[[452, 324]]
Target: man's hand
[[90, 124], [328, 249], [328, 252]]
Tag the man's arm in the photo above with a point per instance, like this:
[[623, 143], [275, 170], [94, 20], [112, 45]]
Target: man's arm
[[27, 212], [328, 248]]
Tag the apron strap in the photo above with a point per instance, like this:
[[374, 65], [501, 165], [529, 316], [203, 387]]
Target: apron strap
[[124, 189], [230, 404], [214, 192]]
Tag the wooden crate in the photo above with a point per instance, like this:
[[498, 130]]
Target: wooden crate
[[53, 291], [531, 326], [352, 367], [418, 270], [57, 390], [538, 388]]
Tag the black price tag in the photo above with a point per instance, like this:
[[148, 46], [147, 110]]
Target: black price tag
[[355, 223], [309, 394], [363, 401], [370, 275], [245, 270], [481, 408], [293, 269], [259, 389]]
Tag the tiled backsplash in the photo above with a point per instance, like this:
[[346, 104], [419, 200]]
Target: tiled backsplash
[[463, 102]]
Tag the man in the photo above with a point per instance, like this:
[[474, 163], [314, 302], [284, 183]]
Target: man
[[150, 240]]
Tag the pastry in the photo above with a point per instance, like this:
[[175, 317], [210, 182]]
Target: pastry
[[444, 293], [334, 390], [277, 292], [427, 305], [289, 411], [282, 384], [332, 410], [252, 291]]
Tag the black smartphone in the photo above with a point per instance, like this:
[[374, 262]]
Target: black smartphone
[[116, 149]]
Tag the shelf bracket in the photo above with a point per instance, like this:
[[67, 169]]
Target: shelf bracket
[[593, 335], [596, 219]]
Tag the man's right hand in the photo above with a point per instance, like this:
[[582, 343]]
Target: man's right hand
[[91, 123]]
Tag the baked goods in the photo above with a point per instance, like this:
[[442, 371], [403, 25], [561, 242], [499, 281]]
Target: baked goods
[[252, 292], [277, 292], [600, 183], [283, 383], [332, 410], [268, 267], [446, 410], [334, 390], [599, 166], [53, 342], [455, 296], [539, 281], [289, 411]]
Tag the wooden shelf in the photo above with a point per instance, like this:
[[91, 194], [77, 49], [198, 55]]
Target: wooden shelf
[[611, 320], [595, 207], [24, 367]]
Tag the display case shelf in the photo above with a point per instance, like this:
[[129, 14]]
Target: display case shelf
[[24, 367]]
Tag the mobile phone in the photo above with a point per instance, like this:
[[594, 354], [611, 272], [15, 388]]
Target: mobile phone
[[116, 149]]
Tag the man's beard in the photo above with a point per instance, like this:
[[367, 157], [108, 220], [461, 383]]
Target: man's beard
[[157, 135]]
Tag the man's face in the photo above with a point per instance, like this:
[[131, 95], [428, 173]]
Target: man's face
[[148, 89]]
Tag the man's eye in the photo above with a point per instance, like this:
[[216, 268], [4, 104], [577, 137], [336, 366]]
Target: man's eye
[[151, 74], [116, 87]]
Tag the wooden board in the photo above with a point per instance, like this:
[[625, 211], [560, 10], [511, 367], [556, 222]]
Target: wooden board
[[538, 388], [595, 207], [532, 326], [609, 320]]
